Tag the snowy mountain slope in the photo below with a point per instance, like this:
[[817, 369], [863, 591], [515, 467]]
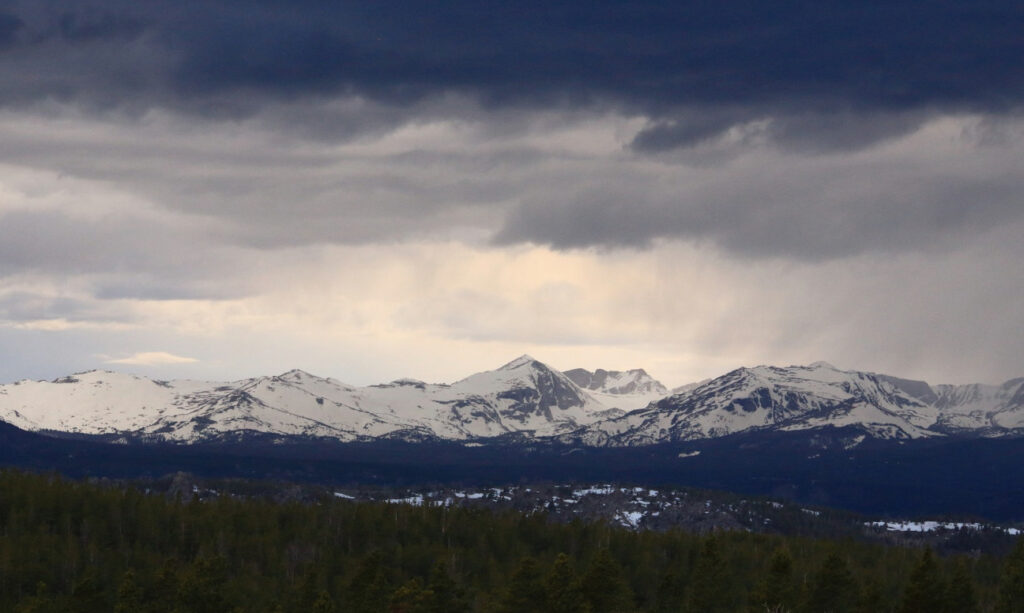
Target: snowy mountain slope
[[101, 402], [521, 396], [95, 402], [810, 397], [688, 387], [524, 397], [989, 410]]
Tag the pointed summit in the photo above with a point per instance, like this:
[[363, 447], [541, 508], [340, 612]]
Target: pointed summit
[[295, 373], [519, 362]]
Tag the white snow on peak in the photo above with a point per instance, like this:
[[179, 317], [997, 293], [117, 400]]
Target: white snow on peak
[[809, 397], [523, 396], [519, 362]]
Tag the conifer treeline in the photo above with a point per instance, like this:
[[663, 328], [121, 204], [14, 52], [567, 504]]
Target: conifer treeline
[[68, 546]]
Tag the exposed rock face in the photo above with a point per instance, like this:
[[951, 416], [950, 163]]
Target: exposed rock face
[[635, 381]]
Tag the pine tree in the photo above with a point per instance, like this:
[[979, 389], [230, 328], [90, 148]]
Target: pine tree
[[445, 594], [1011, 586], [41, 602], [369, 589], [961, 596], [202, 587], [604, 586], [776, 592], [410, 597], [562, 590], [87, 597], [925, 592], [871, 599], [833, 589], [708, 592], [324, 603], [129, 595], [672, 591], [164, 591], [305, 594], [525, 592]]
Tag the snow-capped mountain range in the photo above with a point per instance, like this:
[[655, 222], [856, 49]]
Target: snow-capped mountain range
[[525, 398], [816, 396]]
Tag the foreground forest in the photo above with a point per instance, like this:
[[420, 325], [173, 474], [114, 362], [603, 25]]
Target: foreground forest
[[78, 547]]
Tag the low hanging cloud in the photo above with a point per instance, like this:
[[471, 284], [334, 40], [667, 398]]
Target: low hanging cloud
[[935, 190], [152, 358]]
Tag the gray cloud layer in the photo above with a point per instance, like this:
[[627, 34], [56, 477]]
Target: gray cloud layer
[[791, 207], [153, 151], [834, 79]]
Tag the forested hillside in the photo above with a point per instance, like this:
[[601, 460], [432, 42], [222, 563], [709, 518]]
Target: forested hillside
[[71, 546]]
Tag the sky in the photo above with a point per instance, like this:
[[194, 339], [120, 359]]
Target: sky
[[368, 191]]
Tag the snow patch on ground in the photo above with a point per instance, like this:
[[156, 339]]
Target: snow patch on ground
[[932, 526]]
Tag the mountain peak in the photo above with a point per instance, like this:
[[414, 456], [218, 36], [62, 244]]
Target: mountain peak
[[617, 382], [296, 373], [822, 364], [519, 362]]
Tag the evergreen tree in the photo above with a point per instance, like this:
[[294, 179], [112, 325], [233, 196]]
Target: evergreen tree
[[445, 594], [708, 590], [562, 590], [961, 596], [129, 595], [833, 589], [871, 599], [1011, 586], [79, 538], [925, 592], [164, 591], [324, 603], [87, 597], [41, 602], [410, 597], [306, 594], [604, 587], [201, 589], [776, 592], [525, 593], [369, 589], [672, 591]]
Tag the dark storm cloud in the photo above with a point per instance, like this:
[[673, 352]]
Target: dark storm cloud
[[684, 131], [654, 57], [9, 26], [715, 81], [802, 131]]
